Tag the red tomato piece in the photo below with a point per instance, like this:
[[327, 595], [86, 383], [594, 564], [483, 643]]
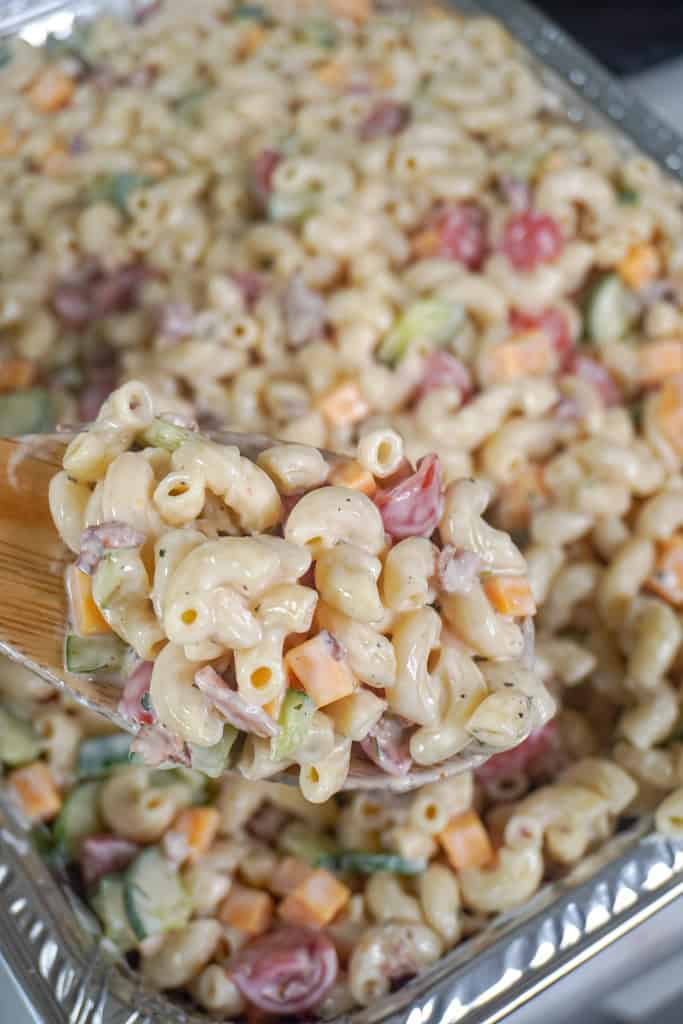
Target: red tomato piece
[[413, 507], [596, 374], [553, 322], [287, 971], [442, 370], [521, 758], [531, 238], [262, 173], [462, 234]]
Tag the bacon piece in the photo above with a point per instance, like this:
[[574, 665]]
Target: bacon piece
[[233, 707], [387, 745], [96, 540], [443, 370], [531, 238], [287, 971], [304, 310], [462, 235], [413, 507], [596, 374], [99, 384], [103, 855], [387, 117], [553, 323], [176, 320], [515, 191], [250, 283], [267, 823], [262, 174], [132, 703], [91, 292], [457, 571], [521, 758], [157, 747]]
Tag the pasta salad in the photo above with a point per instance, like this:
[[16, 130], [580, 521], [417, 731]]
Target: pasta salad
[[283, 611], [321, 223]]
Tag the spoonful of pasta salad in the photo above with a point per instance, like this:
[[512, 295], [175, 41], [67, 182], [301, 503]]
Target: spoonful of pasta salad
[[268, 609]]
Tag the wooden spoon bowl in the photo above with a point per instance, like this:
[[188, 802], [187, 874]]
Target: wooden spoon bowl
[[33, 605]]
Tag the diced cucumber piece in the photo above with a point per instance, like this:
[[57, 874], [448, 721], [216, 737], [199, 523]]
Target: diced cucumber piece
[[163, 434], [429, 320], [294, 721], [188, 106], [320, 32], [300, 841], [26, 412], [191, 785], [19, 742], [368, 863], [610, 310], [155, 899], [251, 12], [116, 188], [292, 206], [78, 819], [628, 197], [5, 53], [109, 576], [98, 755], [107, 902], [74, 45], [85, 654], [213, 761]]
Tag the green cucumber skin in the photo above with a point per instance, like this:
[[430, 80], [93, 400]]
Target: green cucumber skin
[[85, 655], [355, 861], [19, 743], [78, 819], [148, 921], [97, 756], [26, 412], [108, 903]]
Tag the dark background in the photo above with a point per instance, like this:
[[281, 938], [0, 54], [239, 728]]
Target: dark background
[[627, 37]]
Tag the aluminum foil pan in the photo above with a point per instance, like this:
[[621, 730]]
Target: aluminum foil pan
[[49, 939]]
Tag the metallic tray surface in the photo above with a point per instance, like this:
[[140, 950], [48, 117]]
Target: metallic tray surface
[[48, 938]]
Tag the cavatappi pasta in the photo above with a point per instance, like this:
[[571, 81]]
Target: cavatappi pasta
[[262, 606], [344, 228]]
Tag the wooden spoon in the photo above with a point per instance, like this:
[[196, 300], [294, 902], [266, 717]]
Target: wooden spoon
[[33, 605]]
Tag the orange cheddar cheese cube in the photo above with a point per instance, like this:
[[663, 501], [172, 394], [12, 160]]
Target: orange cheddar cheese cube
[[426, 243], [316, 901], [355, 10], [660, 359], [333, 73], [344, 405], [466, 842], [667, 578], [195, 828], [51, 90], [518, 498], [320, 666], [86, 616], [510, 595], [35, 791], [289, 873], [530, 354], [352, 474], [16, 374], [640, 265], [248, 910], [668, 412]]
